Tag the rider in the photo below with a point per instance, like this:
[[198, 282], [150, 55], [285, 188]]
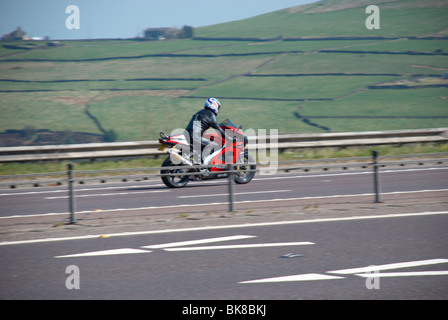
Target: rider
[[202, 121]]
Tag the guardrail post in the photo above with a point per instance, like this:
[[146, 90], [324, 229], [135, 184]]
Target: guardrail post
[[376, 177], [231, 193], [72, 204]]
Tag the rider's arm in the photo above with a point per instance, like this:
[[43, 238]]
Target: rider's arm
[[214, 125]]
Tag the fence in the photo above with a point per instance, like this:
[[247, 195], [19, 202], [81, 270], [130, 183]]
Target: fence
[[283, 142], [71, 176]]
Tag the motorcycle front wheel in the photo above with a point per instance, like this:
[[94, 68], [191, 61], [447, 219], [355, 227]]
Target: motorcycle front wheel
[[245, 162], [175, 181]]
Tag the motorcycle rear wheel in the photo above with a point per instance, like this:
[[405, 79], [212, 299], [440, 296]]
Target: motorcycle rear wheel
[[246, 162], [174, 181]]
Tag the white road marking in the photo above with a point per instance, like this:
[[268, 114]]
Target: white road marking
[[348, 173], [246, 225], [168, 247], [403, 274], [261, 178], [83, 189], [31, 192], [390, 266], [317, 276], [299, 277], [226, 194], [221, 203], [104, 253], [241, 246], [40, 215], [193, 242], [106, 194]]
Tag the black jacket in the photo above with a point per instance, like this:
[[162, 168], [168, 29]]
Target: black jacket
[[207, 119]]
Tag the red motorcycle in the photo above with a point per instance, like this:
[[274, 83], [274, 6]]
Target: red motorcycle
[[228, 153]]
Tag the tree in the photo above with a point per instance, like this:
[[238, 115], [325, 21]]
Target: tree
[[110, 136], [28, 132], [67, 137], [186, 32]]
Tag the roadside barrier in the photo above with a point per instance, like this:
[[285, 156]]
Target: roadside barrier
[[72, 177], [92, 151]]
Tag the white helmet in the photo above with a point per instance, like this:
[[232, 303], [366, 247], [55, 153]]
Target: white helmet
[[213, 104]]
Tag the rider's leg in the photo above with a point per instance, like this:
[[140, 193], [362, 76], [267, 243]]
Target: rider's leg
[[208, 147]]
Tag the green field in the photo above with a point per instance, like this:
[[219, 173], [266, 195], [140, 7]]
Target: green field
[[137, 88], [338, 18]]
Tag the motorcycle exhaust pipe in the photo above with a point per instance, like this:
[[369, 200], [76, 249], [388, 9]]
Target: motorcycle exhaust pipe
[[181, 159]]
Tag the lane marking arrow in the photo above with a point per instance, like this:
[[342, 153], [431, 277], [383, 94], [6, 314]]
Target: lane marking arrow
[[105, 253], [403, 274], [390, 266], [174, 246], [192, 242], [298, 277], [369, 272], [239, 246]]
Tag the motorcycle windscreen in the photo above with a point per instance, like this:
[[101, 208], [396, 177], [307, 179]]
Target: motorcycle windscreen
[[228, 124]]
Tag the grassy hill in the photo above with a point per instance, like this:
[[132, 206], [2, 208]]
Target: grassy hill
[[311, 68], [330, 18]]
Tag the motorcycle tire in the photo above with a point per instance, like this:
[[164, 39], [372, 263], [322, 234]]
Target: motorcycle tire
[[174, 181], [245, 176]]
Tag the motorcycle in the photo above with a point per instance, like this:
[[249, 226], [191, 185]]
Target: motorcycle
[[230, 152]]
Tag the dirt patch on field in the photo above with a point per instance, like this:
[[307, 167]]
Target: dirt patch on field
[[136, 93], [104, 95], [68, 100]]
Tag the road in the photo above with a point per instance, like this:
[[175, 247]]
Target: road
[[243, 263], [263, 189], [301, 258]]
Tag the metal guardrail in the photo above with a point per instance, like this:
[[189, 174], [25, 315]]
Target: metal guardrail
[[375, 162], [283, 142]]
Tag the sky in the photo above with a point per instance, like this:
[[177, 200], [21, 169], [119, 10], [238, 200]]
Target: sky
[[125, 18]]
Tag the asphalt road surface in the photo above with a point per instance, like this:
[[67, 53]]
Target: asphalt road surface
[[154, 195], [307, 260], [290, 260]]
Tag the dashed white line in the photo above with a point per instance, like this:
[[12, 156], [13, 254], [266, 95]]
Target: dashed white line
[[79, 190], [311, 175], [106, 194], [220, 203], [238, 193], [259, 178]]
